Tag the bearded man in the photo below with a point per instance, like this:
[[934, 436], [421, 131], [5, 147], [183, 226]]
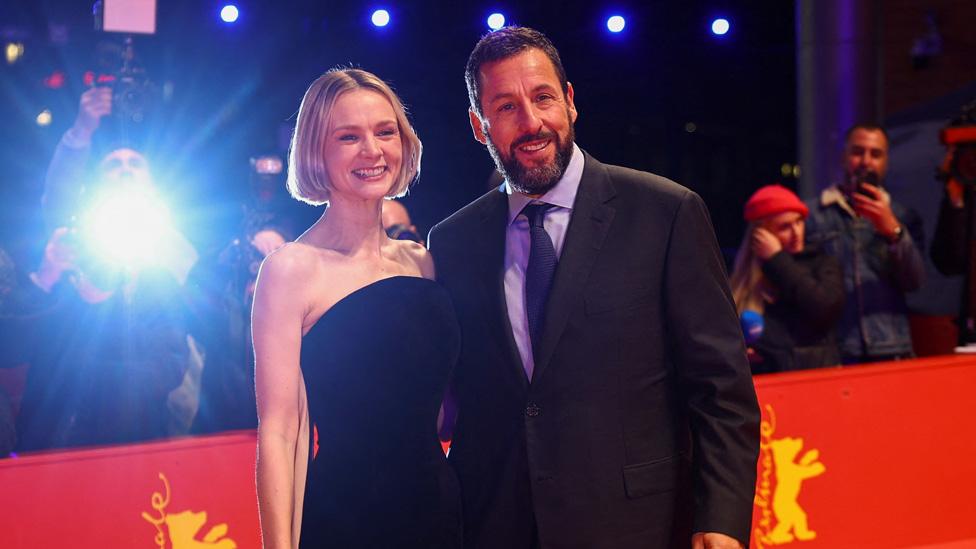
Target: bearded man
[[604, 397]]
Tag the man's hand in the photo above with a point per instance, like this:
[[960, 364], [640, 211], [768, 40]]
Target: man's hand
[[95, 103], [765, 244], [875, 208], [59, 257], [714, 540]]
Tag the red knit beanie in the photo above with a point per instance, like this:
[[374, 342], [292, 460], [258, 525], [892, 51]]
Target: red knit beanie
[[772, 200]]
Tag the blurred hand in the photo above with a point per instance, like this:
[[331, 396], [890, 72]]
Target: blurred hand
[[875, 208], [714, 540], [95, 103], [954, 191], [765, 244], [267, 241], [59, 257]]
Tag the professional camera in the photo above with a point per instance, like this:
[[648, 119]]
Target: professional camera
[[960, 137], [132, 91]]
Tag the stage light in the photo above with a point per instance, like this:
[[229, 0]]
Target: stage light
[[44, 118], [721, 26], [616, 23], [380, 18], [127, 227], [496, 21], [229, 13], [14, 51]]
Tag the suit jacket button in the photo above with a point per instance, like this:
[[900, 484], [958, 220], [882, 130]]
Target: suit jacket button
[[532, 410]]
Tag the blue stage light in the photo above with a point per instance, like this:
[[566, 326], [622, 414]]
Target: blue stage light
[[229, 13], [616, 23], [721, 26], [380, 18], [496, 21]]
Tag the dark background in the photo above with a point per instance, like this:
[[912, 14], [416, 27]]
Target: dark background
[[230, 92]]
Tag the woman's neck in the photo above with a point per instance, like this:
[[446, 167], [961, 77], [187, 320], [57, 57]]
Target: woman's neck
[[353, 228]]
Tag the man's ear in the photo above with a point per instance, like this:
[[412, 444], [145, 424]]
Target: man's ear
[[569, 102], [477, 127]]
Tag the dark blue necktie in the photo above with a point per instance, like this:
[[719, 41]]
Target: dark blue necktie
[[539, 272]]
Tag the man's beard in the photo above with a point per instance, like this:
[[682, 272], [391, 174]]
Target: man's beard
[[539, 179]]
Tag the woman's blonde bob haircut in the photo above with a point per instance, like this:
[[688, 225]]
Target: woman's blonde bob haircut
[[308, 178]]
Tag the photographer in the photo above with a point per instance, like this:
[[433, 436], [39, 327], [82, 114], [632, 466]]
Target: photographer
[[66, 188], [103, 358], [949, 242], [874, 239], [951, 251], [108, 343]]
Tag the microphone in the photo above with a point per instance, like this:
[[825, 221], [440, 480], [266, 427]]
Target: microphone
[[752, 326]]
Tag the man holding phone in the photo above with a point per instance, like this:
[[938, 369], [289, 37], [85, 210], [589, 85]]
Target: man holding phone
[[876, 240]]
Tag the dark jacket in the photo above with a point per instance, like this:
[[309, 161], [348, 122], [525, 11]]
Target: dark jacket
[[798, 328], [640, 424], [100, 373], [949, 242]]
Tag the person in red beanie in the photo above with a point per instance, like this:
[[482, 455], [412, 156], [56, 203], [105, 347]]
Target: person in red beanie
[[789, 296]]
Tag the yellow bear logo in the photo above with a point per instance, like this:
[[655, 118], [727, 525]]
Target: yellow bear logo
[[780, 499], [184, 527], [790, 474]]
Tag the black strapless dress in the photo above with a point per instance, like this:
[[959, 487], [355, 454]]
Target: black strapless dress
[[376, 366]]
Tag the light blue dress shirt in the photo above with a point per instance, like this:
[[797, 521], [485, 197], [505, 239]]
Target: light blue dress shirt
[[517, 246]]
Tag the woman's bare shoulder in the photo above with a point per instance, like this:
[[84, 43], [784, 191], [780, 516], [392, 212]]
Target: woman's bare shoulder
[[292, 265], [297, 258], [290, 259]]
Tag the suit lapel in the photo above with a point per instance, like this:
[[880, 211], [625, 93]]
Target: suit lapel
[[587, 230], [492, 287]]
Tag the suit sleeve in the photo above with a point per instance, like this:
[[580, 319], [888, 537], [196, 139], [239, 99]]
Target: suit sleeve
[[713, 374]]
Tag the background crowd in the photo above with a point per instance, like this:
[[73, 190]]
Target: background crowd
[[157, 342], [113, 353]]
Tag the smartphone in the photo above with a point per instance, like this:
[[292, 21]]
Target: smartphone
[[861, 190], [869, 178]]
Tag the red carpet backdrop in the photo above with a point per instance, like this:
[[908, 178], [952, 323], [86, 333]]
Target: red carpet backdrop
[[880, 456]]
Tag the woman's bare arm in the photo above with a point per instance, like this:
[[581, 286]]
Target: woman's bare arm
[[279, 309]]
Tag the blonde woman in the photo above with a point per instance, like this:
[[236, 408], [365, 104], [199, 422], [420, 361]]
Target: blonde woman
[[353, 342], [797, 290]]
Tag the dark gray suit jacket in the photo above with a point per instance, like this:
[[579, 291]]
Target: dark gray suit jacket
[[640, 424]]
